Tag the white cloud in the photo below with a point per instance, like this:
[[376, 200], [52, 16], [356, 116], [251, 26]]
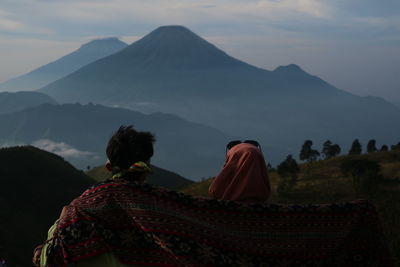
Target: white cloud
[[10, 25], [10, 144], [62, 149], [14, 23], [169, 12], [279, 10]]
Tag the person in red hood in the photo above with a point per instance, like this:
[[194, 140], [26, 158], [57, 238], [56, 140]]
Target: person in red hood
[[244, 176]]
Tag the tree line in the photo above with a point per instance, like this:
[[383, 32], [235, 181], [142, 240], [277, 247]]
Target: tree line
[[365, 173], [330, 150]]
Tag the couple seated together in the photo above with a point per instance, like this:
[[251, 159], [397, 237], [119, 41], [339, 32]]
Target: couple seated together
[[125, 222]]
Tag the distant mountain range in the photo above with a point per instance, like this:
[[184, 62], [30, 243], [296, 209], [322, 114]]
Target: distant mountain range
[[173, 70], [50, 72], [11, 102], [80, 134]]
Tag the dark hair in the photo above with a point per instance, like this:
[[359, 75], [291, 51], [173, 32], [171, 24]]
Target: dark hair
[[128, 146]]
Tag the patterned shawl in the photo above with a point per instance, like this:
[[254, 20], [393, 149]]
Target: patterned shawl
[[147, 226]]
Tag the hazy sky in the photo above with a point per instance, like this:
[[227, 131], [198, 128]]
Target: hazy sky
[[353, 44]]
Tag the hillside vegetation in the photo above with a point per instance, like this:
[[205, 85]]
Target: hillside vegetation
[[324, 181]]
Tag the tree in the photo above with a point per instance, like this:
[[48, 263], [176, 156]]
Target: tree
[[395, 147], [355, 148], [289, 167], [335, 150], [326, 149], [270, 168], [330, 150], [307, 153], [371, 146], [384, 148], [314, 155], [365, 174]]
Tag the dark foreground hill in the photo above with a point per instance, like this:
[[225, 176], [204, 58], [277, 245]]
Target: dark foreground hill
[[11, 102], [59, 68], [158, 176], [80, 134], [174, 70], [324, 182], [35, 185]]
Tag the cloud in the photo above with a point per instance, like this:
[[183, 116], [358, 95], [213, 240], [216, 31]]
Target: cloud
[[10, 25], [13, 23], [11, 144], [165, 12], [135, 17], [62, 149], [7, 24]]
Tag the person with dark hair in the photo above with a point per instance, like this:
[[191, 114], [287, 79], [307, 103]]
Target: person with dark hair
[[129, 153], [244, 176]]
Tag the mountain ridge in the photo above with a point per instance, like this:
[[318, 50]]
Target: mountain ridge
[[12, 102], [65, 65], [281, 108], [75, 130]]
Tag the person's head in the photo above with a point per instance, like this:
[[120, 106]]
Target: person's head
[[128, 146]]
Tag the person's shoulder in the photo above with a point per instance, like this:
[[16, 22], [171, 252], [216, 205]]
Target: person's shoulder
[[105, 186]]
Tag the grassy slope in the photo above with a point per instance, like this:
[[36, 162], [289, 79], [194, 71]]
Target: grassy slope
[[323, 182], [159, 177]]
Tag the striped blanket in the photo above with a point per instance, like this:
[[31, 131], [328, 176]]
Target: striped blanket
[[143, 225]]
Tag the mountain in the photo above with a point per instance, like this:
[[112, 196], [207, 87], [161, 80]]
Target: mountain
[[11, 102], [168, 62], [174, 70], [59, 68], [35, 185], [158, 176], [80, 134]]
